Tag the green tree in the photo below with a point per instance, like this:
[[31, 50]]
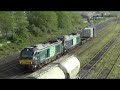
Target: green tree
[[45, 20], [21, 26], [7, 24], [76, 19], [64, 20]]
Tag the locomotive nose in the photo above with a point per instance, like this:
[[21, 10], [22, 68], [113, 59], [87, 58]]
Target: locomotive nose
[[25, 62]]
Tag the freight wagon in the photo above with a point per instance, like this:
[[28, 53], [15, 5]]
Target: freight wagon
[[87, 34], [65, 69]]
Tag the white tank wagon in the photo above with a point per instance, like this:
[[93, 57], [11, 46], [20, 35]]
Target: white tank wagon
[[66, 69], [53, 73], [71, 67]]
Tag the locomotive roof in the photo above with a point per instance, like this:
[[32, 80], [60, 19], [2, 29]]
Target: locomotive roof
[[70, 36], [89, 28], [41, 46]]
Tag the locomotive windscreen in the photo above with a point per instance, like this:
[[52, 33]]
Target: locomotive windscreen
[[26, 54]]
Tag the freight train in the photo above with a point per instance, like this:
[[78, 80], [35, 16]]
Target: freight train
[[37, 56]]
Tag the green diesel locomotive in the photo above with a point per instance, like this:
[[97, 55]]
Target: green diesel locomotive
[[41, 54]]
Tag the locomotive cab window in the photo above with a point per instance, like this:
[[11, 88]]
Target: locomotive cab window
[[48, 52], [57, 48], [26, 54], [35, 54], [78, 39], [71, 42]]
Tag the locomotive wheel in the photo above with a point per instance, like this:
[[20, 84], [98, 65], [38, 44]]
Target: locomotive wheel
[[41, 65], [65, 51], [34, 68], [46, 61], [49, 61], [58, 56]]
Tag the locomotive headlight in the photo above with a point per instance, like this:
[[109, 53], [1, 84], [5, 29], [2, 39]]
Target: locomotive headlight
[[33, 62], [20, 62]]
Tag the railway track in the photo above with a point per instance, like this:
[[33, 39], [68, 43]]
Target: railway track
[[105, 71], [88, 66], [9, 59], [112, 68], [7, 65], [17, 76]]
